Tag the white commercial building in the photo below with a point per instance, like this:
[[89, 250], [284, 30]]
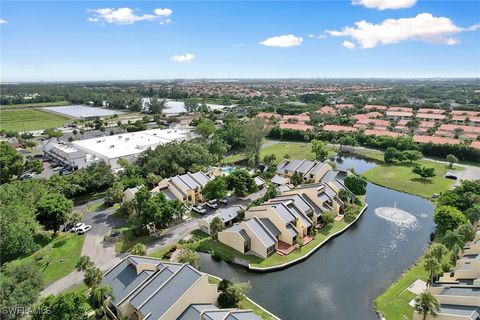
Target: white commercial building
[[110, 148]]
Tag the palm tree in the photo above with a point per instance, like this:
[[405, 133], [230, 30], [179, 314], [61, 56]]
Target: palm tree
[[426, 303], [84, 263], [433, 266], [453, 238], [97, 297], [139, 249], [93, 277]]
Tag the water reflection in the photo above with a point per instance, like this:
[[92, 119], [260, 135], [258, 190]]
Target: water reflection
[[344, 277]]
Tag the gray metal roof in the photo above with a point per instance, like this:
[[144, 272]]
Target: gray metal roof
[[291, 228], [318, 210], [180, 184], [283, 188], [324, 197], [280, 180], [156, 282], [136, 260], [168, 294], [281, 167], [259, 181], [216, 314], [299, 202], [190, 181], [306, 166], [262, 232], [293, 165], [169, 194], [329, 176], [242, 315], [225, 214], [123, 280], [299, 214], [201, 178], [283, 212], [318, 166], [329, 191], [271, 227], [457, 310], [193, 312]]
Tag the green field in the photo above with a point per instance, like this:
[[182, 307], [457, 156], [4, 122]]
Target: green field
[[296, 150], [393, 303], [29, 119], [58, 258], [37, 104], [400, 177]]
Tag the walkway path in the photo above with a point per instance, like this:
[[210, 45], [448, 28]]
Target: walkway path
[[102, 254]]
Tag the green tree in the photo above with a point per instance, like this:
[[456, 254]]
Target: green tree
[[141, 199], [215, 227], [20, 286], [467, 231], [152, 179], [253, 133], [296, 179], [11, 163], [448, 218], [241, 183], [52, 133], [473, 213], [357, 184], [192, 104], [215, 189], [426, 303], [390, 155], [96, 299], [64, 306], [218, 148], [454, 242], [156, 106], [233, 293], [424, 172], [84, 263], [32, 165], [191, 257], [328, 217], [412, 155], [114, 194], [319, 148], [205, 128], [433, 267], [437, 251], [139, 249], [93, 277], [451, 159], [269, 159], [53, 210]]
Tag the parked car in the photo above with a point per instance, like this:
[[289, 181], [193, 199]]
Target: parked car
[[223, 201], [199, 209], [26, 176], [58, 168], [65, 172], [77, 226], [83, 229], [212, 204], [68, 226]]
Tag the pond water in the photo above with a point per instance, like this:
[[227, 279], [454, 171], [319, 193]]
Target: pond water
[[343, 278]]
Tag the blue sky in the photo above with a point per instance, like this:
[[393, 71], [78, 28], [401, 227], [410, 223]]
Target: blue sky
[[76, 40]]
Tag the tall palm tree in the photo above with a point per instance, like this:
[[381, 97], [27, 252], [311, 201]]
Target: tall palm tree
[[84, 263], [433, 266], [93, 277], [97, 297], [426, 303], [453, 238]]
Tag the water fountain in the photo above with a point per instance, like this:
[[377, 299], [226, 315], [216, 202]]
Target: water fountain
[[396, 215]]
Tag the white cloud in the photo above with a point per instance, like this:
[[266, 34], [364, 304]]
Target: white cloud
[[188, 57], [385, 4], [424, 27], [283, 41], [163, 12], [3, 21], [311, 35], [348, 45], [321, 36], [125, 16]]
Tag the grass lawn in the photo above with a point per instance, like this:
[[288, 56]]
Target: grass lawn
[[36, 104], [58, 258], [322, 234], [296, 150], [399, 176], [124, 245], [393, 303], [30, 119]]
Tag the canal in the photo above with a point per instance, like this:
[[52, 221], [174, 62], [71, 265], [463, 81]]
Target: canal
[[343, 278]]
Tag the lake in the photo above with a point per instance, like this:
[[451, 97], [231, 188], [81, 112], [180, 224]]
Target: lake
[[343, 278]]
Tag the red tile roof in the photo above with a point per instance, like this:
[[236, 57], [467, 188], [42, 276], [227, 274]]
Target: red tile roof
[[399, 113], [428, 110], [404, 109], [268, 115], [335, 128], [375, 122], [434, 116], [327, 109], [371, 106], [451, 128], [344, 105], [382, 133], [466, 112], [475, 144], [299, 117]]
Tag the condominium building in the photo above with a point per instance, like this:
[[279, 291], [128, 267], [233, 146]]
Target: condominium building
[[186, 187]]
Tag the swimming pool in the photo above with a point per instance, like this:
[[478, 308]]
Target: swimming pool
[[228, 170]]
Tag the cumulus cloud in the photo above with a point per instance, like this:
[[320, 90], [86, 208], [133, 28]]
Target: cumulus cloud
[[188, 57], [348, 45], [424, 27], [3, 21], [385, 4], [125, 16], [284, 41]]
